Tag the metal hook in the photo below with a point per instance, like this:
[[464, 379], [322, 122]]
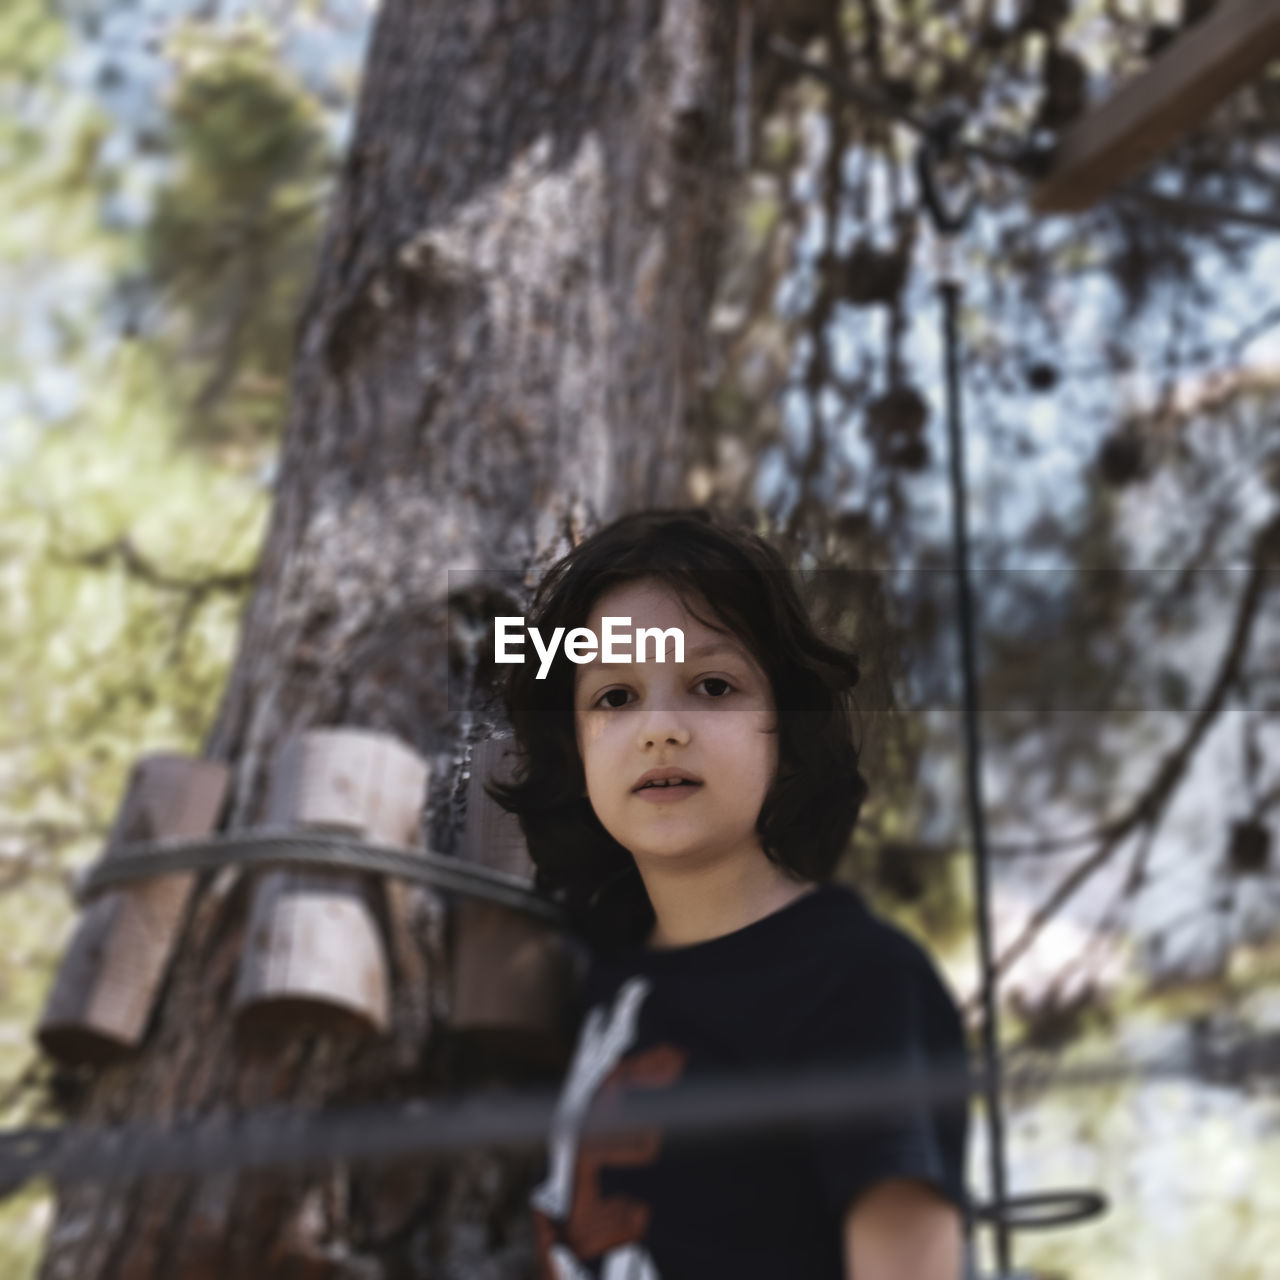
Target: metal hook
[[1044, 1210], [950, 212]]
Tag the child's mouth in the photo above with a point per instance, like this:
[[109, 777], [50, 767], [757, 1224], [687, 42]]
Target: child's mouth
[[667, 791]]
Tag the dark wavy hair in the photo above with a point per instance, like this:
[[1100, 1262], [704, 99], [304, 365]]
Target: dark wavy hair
[[730, 580]]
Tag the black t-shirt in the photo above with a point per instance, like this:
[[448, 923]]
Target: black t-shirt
[[822, 983]]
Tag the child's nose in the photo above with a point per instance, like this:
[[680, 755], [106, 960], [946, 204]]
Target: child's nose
[[664, 727]]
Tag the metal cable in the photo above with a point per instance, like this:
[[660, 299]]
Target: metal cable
[[289, 1135], [950, 215], [257, 850], [950, 291]]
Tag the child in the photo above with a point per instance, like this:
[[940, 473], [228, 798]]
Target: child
[[690, 815]]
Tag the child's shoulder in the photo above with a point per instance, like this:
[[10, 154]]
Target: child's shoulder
[[842, 932], [828, 940], [870, 988], [882, 954], [824, 977]]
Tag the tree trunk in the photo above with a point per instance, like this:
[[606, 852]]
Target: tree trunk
[[501, 349]]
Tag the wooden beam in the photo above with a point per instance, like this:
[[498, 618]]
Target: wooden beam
[[1148, 114]]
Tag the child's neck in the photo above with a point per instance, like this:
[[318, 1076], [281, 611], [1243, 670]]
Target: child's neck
[[697, 904]]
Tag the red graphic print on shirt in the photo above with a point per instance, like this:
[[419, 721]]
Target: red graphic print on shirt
[[576, 1222]]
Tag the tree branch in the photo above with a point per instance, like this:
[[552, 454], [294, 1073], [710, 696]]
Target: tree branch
[[1151, 804], [138, 566]]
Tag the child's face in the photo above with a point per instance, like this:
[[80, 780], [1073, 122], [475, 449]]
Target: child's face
[[712, 716]]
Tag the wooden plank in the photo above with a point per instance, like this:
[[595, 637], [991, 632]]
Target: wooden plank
[[1148, 114]]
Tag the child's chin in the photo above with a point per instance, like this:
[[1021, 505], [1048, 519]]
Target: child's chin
[[677, 848]]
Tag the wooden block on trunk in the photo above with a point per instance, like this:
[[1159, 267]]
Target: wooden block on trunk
[[514, 979], [101, 1000], [314, 958], [513, 975], [493, 837], [369, 784]]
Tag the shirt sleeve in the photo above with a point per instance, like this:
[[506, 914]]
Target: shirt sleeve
[[896, 1025]]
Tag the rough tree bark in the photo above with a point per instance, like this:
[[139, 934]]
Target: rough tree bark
[[501, 348]]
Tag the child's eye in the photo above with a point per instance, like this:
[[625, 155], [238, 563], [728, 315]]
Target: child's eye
[[721, 686], [605, 700]]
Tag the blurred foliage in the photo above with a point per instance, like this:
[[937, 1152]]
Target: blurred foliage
[[1121, 417], [143, 379], [232, 238]]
